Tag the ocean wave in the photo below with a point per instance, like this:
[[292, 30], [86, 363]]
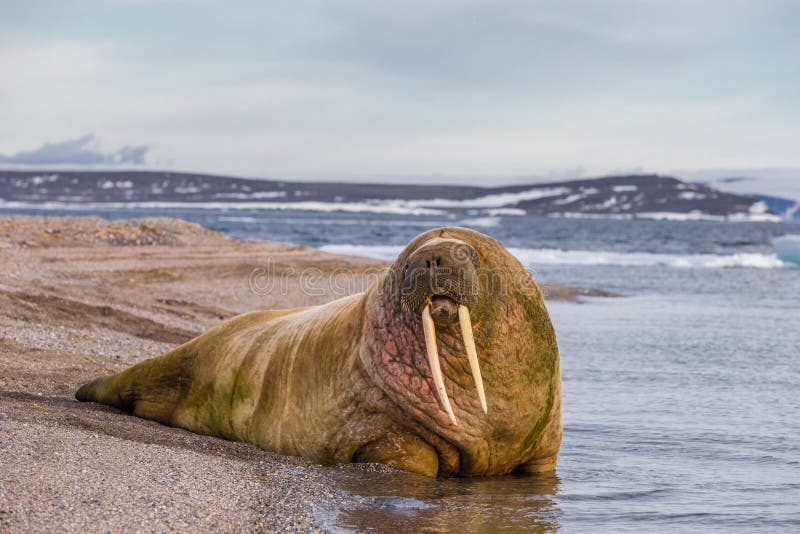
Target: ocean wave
[[647, 259], [480, 222], [672, 216], [534, 257]]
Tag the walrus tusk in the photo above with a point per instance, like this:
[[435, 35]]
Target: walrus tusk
[[433, 360], [472, 353]]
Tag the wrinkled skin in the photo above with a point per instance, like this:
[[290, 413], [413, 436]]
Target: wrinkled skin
[[351, 381]]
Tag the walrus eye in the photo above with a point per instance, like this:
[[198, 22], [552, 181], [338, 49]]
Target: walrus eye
[[429, 329]]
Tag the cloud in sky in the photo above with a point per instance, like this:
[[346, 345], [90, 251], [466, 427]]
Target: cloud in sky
[[81, 151], [463, 90]]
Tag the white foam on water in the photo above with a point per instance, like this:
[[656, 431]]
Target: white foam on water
[[672, 216], [646, 259], [697, 215], [533, 257], [480, 222]]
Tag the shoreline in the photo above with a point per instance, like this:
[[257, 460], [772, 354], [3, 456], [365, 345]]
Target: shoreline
[[85, 297]]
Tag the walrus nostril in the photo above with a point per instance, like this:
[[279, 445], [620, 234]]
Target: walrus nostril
[[433, 262]]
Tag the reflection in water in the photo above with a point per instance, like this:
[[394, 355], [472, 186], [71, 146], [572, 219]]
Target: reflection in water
[[411, 503]]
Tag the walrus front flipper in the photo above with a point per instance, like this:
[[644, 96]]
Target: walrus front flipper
[[401, 451], [151, 389]]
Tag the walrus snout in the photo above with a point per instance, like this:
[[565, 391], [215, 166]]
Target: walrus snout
[[445, 268]]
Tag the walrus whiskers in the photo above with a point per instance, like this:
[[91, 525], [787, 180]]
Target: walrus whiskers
[[472, 353], [433, 360]]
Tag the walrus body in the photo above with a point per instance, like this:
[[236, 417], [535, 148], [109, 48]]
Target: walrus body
[[366, 378]]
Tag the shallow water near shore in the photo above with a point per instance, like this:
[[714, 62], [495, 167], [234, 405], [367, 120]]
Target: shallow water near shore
[[681, 410]]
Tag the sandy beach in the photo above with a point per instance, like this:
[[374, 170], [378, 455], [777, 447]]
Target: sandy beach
[[84, 297]]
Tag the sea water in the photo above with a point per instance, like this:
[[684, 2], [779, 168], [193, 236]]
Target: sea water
[[787, 248], [681, 397]]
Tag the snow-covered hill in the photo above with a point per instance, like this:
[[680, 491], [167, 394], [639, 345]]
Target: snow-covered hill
[[634, 196]]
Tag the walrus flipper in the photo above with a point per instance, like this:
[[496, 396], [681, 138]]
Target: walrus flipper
[[151, 389]]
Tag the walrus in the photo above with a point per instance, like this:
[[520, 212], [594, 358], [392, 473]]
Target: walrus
[[446, 365]]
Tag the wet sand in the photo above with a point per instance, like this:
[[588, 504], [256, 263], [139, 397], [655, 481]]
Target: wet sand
[[84, 297]]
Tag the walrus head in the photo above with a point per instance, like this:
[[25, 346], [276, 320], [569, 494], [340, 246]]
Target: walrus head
[[457, 336]]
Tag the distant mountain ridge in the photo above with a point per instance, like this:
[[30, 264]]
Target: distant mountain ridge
[[629, 196]]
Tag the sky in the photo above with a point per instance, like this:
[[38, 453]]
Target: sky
[[483, 92]]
